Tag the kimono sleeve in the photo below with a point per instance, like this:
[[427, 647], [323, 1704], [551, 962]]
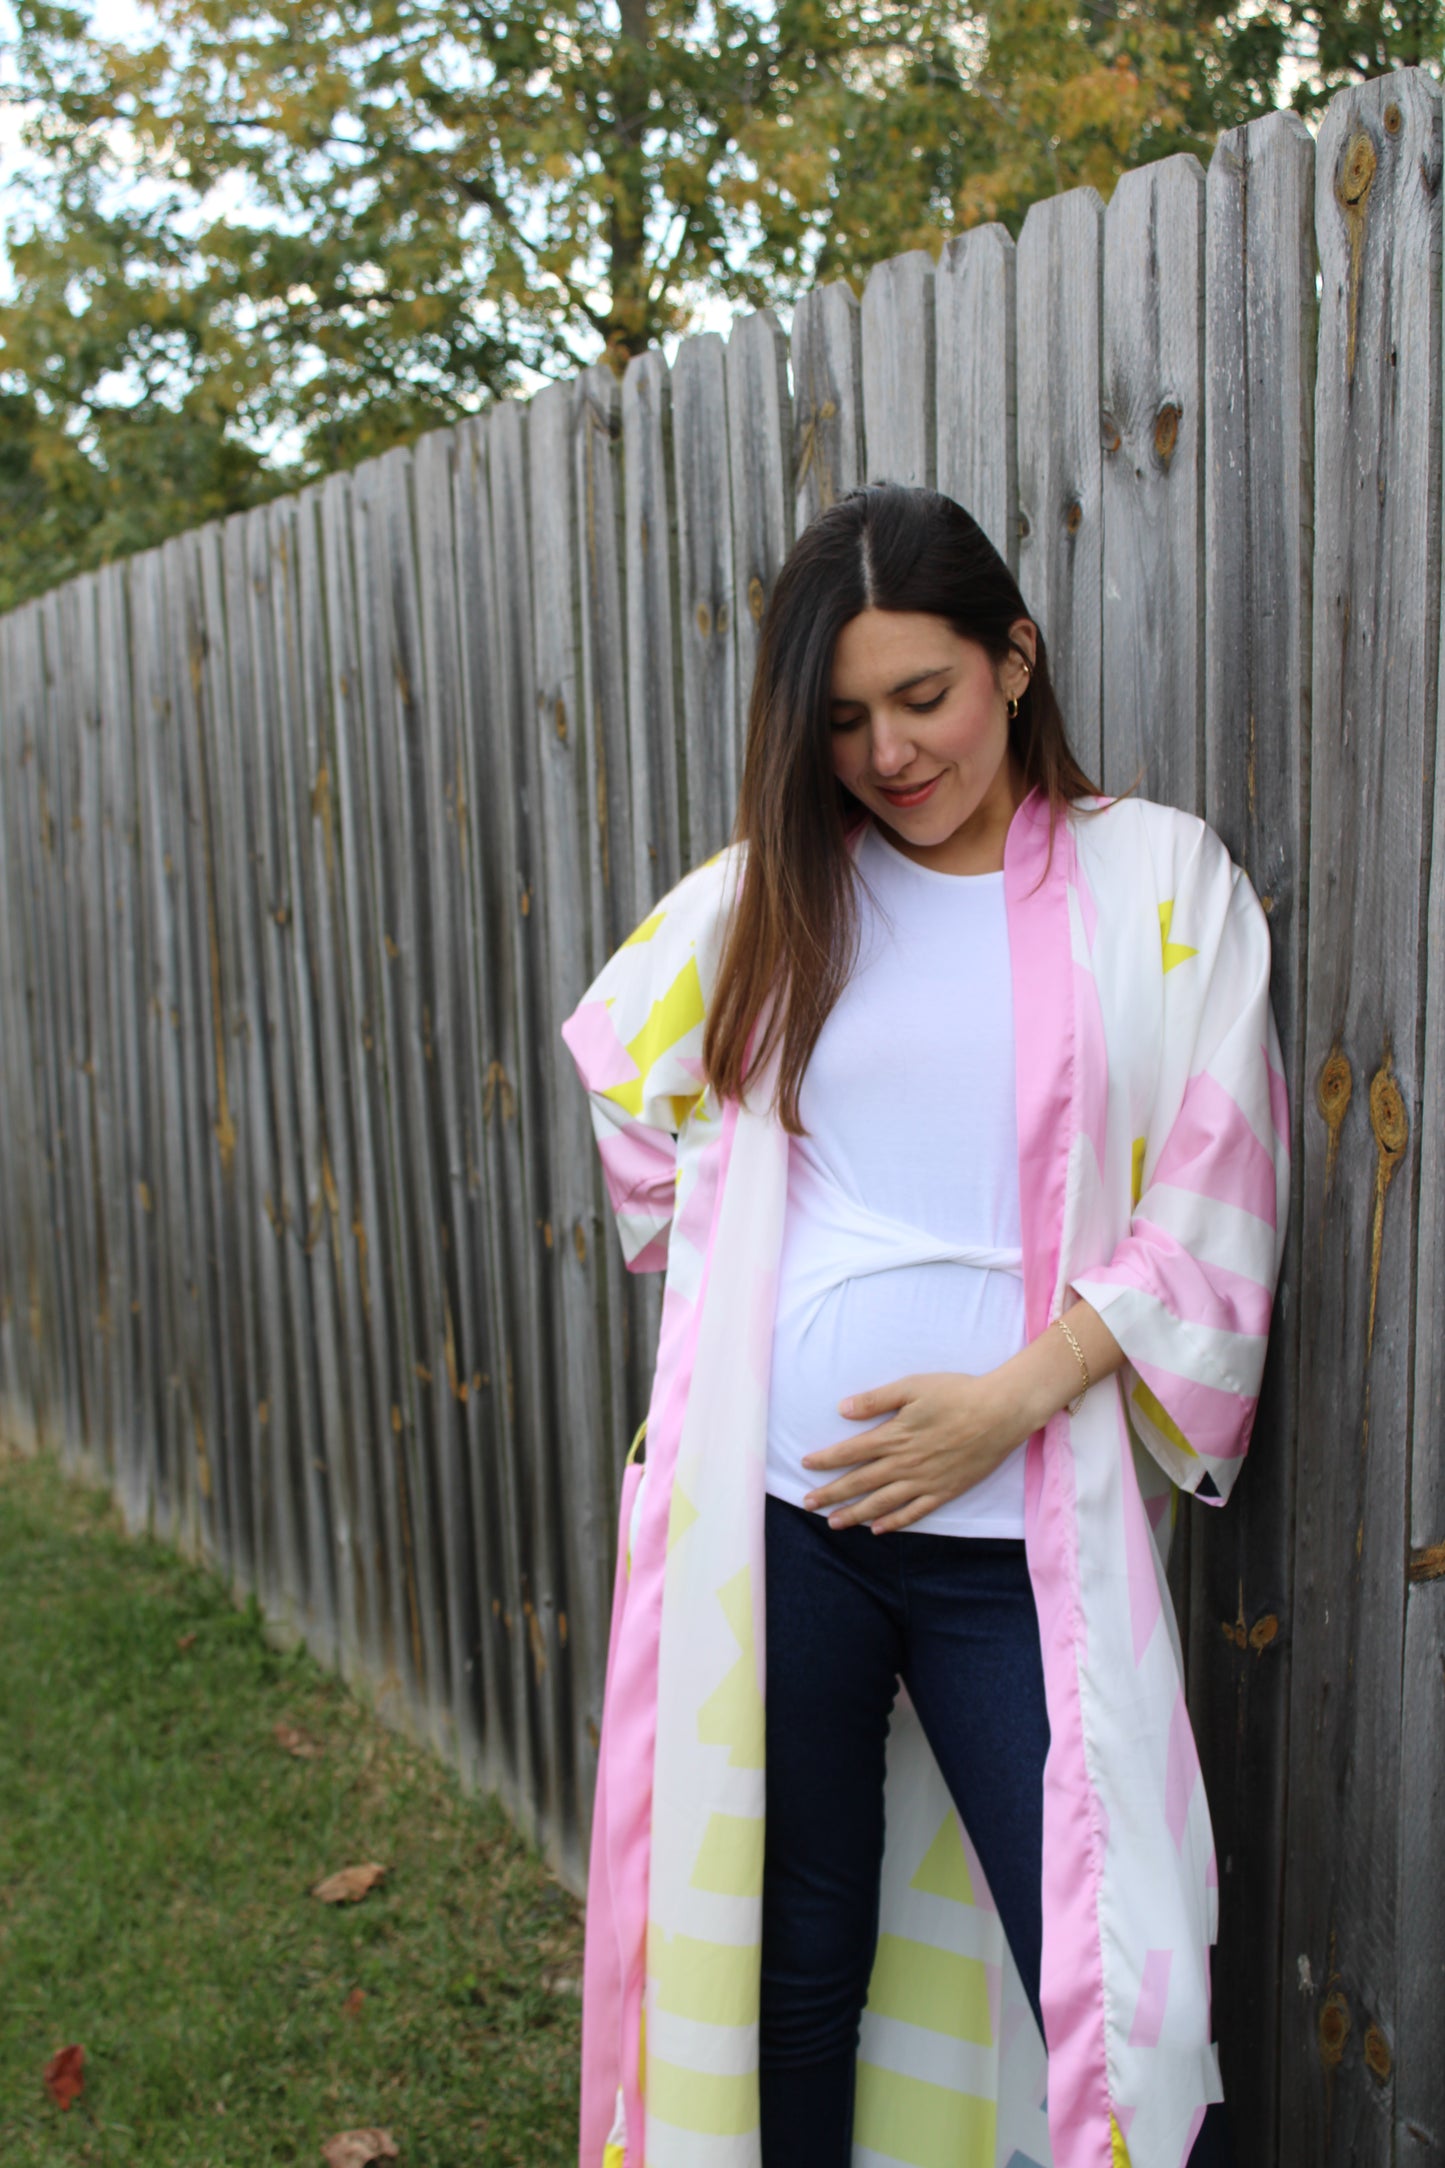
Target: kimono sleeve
[[636, 1038], [1188, 1292]]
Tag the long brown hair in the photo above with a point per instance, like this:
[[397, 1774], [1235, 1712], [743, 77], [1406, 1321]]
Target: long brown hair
[[792, 935]]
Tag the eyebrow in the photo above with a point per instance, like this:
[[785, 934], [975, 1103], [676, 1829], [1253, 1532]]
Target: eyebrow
[[906, 685]]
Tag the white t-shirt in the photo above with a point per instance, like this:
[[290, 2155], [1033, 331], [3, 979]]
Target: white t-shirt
[[901, 1244]]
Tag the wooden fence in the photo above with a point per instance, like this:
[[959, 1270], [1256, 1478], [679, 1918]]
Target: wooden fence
[[315, 823]]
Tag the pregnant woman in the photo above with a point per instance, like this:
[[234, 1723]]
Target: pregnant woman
[[949, 1099]]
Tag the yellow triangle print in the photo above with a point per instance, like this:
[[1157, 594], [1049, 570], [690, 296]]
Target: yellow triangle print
[[668, 1020], [943, 1870], [732, 1715], [1120, 2150], [645, 931], [1136, 1179], [681, 1514], [1174, 951], [1152, 1406], [729, 1860]]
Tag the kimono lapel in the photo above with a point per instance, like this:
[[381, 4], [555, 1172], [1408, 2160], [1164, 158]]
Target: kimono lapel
[[1037, 884], [1036, 898]]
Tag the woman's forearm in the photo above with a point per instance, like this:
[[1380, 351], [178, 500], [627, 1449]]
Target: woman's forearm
[[1045, 1375]]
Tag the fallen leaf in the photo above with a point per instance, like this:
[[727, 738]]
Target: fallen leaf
[[349, 1885], [353, 2002], [358, 2148], [185, 1641], [63, 2080], [297, 1742]]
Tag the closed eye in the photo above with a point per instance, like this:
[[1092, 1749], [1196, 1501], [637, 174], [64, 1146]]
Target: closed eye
[[923, 707]]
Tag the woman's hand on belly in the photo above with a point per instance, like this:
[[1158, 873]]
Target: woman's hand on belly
[[948, 1430]]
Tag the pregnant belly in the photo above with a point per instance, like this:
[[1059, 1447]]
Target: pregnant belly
[[870, 1330]]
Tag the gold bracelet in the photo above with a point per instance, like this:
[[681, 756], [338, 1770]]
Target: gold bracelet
[[1068, 1332]]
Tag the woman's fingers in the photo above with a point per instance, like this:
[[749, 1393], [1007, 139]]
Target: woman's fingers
[[868, 1445], [878, 1400], [852, 1485], [892, 1496], [909, 1514]]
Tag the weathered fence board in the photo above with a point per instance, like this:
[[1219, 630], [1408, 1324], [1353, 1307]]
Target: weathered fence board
[[759, 432], [166, 1228], [130, 1309], [1153, 448], [1060, 479], [52, 989], [26, 1223], [204, 1380], [77, 622], [711, 753], [654, 695], [1419, 2067], [515, 703], [450, 1041], [302, 965], [827, 355], [574, 1497], [977, 390], [1258, 488], [621, 874], [490, 906], [1375, 661], [343, 1444], [898, 379], [383, 1567], [314, 825]]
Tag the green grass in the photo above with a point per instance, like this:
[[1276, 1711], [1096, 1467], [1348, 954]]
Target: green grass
[[157, 1848]]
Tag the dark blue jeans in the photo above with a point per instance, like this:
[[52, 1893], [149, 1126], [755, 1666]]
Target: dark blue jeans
[[849, 1614]]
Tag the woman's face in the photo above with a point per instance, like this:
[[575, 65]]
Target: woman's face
[[920, 732]]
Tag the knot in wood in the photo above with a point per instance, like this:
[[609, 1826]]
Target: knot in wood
[[1356, 170], [1334, 2030], [1378, 2058], [1110, 432], [704, 619], [756, 599], [1387, 1114], [1335, 1086], [1166, 432], [1332, 1096], [1388, 1120], [1073, 515], [1392, 120]]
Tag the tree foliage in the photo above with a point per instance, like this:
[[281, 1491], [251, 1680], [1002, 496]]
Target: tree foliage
[[271, 237]]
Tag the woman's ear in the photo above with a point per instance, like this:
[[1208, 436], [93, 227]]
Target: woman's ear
[[1025, 633]]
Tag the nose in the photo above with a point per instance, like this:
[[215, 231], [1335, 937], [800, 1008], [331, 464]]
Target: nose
[[893, 749]]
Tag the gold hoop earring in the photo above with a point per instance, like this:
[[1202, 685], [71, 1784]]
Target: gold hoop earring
[[1013, 707]]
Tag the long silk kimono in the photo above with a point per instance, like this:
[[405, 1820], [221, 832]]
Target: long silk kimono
[[1153, 1134]]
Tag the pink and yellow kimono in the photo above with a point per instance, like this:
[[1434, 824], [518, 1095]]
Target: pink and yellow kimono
[[1153, 1131]]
